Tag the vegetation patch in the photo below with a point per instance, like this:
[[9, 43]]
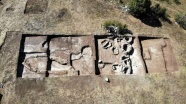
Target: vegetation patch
[[181, 20], [148, 14], [160, 12], [121, 27], [139, 7]]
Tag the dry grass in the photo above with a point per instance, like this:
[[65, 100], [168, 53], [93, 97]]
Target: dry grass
[[86, 18]]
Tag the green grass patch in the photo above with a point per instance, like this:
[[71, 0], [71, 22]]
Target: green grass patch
[[122, 27]]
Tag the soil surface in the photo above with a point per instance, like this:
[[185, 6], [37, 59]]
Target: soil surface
[[164, 84]]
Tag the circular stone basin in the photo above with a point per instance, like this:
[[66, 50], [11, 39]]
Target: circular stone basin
[[127, 48], [115, 50], [106, 44], [128, 39]]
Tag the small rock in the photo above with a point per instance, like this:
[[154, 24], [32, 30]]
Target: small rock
[[107, 79], [1, 85], [41, 78], [99, 61], [115, 50], [101, 65], [76, 56]]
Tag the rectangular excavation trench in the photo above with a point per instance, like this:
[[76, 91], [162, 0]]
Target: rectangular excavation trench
[[158, 54], [78, 55]]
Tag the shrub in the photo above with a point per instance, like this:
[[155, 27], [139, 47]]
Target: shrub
[[181, 20], [139, 7], [121, 27], [159, 11], [177, 1]]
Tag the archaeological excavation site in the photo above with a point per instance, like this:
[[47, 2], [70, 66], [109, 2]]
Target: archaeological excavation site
[[89, 52], [78, 55]]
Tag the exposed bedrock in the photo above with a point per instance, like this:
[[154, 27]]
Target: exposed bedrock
[[35, 65], [73, 54], [138, 65], [84, 41], [76, 56], [84, 62], [35, 44], [60, 48], [61, 44], [28, 74], [62, 57], [59, 69]]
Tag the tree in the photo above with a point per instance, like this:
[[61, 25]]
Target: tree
[[139, 7], [159, 11]]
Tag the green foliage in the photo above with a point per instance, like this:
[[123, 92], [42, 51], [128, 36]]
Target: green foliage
[[142, 9], [121, 26], [159, 11], [181, 20], [177, 1], [139, 7]]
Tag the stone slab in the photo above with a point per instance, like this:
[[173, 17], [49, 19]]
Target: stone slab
[[35, 65], [35, 44]]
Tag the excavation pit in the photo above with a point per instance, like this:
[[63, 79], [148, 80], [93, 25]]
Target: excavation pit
[[55, 56]]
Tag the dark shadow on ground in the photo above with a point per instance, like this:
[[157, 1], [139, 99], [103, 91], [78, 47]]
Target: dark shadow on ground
[[1, 96], [166, 19], [150, 19], [125, 31], [153, 19]]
